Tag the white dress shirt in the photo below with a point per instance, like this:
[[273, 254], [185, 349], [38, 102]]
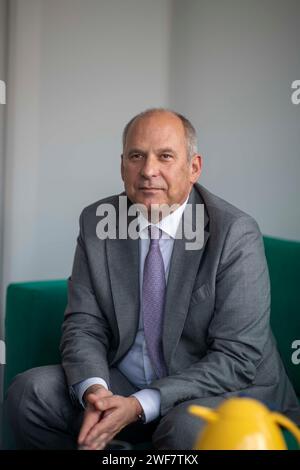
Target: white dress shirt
[[136, 365]]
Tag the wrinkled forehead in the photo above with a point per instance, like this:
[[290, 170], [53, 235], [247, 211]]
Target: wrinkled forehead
[[158, 129]]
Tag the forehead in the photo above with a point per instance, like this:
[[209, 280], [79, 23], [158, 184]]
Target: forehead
[[161, 128]]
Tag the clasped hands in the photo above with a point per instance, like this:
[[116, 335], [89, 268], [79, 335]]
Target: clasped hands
[[105, 416]]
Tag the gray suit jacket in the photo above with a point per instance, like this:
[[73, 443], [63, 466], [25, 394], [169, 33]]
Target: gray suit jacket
[[216, 336]]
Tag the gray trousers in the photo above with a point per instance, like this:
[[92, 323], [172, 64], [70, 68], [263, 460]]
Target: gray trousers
[[42, 415]]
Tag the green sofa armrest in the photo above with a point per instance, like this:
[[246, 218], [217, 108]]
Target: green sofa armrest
[[283, 257], [34, 315]]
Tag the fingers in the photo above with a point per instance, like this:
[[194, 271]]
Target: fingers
[[113, 418], [103, 393], [94, 411], [104, 430], [100, 443], [100, 393], [105, 403], [97, 432], [91, 417]]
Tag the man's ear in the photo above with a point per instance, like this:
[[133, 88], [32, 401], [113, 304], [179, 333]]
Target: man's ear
[[122, 167], [196, 168]]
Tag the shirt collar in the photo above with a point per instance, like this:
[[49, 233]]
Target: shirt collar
[[168, 224]]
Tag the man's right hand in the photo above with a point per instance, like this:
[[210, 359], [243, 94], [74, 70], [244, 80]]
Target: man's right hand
[[91, 415]]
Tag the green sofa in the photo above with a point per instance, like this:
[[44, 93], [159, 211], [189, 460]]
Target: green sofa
[[34, 313]]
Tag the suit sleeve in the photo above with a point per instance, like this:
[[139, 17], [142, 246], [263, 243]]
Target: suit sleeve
[[239, 327], [85, 333]]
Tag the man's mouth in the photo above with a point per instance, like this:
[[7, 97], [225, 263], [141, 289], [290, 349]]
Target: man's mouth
[[151, 189]]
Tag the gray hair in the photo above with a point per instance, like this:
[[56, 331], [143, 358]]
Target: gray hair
[[189, 130]]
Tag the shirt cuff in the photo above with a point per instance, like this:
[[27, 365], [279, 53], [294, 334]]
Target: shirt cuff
[[150, 402], [81, 387]]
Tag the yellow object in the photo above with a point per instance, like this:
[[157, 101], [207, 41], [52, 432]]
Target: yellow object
[[242, 424]]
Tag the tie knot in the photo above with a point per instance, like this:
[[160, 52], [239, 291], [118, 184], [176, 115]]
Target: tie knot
[[154, 234]]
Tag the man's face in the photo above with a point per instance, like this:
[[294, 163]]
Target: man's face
[[155, 168]]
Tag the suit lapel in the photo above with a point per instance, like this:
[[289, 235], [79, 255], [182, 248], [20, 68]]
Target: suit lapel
[[123, 266], [183, 270]]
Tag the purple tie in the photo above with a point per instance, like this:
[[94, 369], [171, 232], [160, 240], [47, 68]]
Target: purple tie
[[154, 286]]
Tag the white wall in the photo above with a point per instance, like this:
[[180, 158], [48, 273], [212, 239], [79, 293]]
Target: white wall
[[3, 50], [78, 71], [232, 65]]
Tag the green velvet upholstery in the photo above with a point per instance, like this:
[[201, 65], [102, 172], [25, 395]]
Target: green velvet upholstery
[[34, 313], [283, 259]]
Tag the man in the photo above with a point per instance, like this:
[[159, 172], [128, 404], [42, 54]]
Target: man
[[152, 326]]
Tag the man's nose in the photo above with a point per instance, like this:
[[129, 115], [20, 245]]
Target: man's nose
[[150, 167]]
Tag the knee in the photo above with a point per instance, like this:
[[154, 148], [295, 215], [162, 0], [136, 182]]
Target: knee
[[18, 389], [177, 429], [28, 388]]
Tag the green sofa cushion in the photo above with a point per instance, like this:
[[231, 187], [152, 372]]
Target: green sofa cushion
[[283, 259], [34, 314]]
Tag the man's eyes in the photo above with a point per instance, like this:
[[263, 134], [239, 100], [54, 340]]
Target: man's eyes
[[136, 156], [139, 156]]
